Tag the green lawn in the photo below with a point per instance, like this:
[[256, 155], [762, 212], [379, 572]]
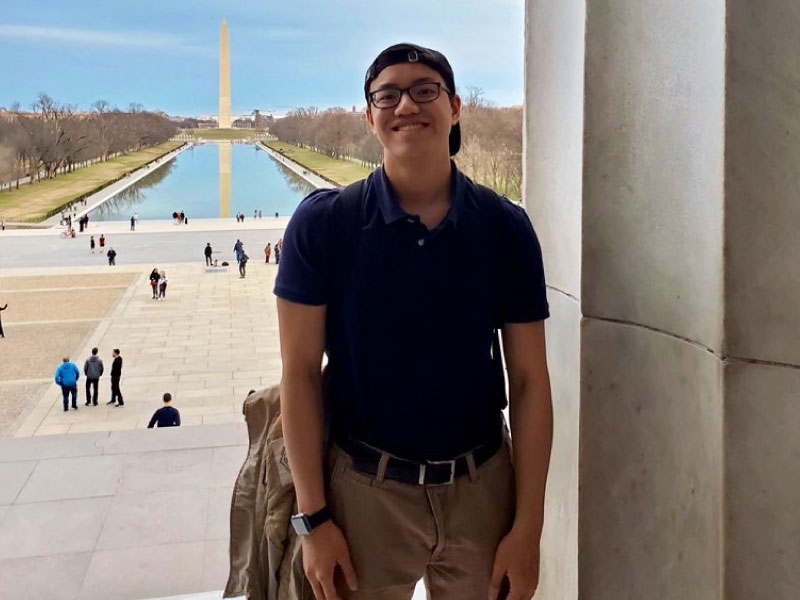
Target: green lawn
[[343, 172], [38, 201], [224, 134]]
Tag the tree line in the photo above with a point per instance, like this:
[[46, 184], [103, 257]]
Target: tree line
[[491, 142], [55, 138]]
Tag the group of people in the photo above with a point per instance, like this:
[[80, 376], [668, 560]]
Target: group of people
[[180, 217], [111, 255], [83, 223], [67, 376], [278, 249], [158, 283]]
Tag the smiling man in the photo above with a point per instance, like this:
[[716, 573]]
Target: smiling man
[[418, 480]]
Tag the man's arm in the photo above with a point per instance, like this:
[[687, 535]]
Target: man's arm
[[302, 334], [531, 414], [177, 418], [153, 420]]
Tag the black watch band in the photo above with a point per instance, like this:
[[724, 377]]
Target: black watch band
[[304, 524]]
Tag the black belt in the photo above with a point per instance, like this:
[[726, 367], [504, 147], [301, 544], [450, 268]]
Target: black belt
[[433, 472]]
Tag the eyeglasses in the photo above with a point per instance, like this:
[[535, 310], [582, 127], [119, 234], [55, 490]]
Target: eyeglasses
[[420, 93]]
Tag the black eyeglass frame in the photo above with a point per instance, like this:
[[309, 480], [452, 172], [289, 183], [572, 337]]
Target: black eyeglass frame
[[439, 87]]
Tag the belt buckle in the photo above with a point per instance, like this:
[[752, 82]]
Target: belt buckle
[[423, 468]]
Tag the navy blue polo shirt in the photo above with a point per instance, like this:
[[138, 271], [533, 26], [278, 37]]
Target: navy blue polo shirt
[[410, 352]]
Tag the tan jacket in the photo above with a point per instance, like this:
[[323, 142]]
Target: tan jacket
[[265, 552]]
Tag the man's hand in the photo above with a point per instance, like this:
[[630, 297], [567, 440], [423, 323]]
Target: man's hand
[[518, 558], [323, 550]]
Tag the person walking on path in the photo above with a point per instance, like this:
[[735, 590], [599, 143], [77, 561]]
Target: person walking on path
[[116, 375], [162, 284], [93, 370], [154, 277], [417, 381], [166, 416], [238, 249], [2, 308], [243, 258], [207, 252], [268, 251], [67, 376], [278, 250], [102, 243], [112, 257], [91, 243], [133, 223]]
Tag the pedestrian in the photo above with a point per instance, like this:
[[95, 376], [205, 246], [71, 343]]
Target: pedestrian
[[86, 222], [175, 216], [154, 277], [238, 248], [255, 214], [80, 225], [93, 370], [133, 224], [116, 375], [162, 284], [112, 257], [420, 478], [166, 416], [207, 252], [102, 242], [268, 251], [2, 308], [259, 214], [241, 216], [276, 214], [278, 250], [67, 376], [91, 243], [243, 258]]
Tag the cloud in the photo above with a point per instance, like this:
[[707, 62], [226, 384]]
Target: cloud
[[143, 40]]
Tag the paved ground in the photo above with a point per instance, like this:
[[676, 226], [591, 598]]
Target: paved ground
[[106, 508]]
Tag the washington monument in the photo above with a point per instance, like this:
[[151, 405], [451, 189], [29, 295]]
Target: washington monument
[[224, 118]]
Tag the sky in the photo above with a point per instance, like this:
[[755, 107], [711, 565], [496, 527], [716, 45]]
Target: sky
[[164, 54]]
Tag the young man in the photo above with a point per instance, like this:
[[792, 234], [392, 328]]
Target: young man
[[419, 481], [167, 415], [116, 375], [207, 252], [67, 376], [93, 369]]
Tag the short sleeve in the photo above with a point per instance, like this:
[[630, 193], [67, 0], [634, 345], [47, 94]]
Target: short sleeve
[[524, 292], [302, 274]]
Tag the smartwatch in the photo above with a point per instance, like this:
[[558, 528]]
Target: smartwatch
[[304, 524]]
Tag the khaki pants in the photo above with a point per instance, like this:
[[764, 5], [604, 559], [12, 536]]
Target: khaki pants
[[399, 533]]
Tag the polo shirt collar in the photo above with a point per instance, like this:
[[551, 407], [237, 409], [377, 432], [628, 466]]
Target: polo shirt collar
[[390, 206]]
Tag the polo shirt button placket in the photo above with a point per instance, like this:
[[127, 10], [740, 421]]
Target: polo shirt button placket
[[420, 242]]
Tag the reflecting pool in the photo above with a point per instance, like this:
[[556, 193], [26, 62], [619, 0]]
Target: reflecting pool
[[210, 180]]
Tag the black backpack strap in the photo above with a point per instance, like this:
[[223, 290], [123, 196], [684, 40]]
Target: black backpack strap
[[491, 204]]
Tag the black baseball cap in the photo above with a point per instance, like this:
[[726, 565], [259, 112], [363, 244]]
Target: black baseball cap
[[402, 53]]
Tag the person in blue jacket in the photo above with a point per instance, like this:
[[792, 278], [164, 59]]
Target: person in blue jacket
[[67, 376]]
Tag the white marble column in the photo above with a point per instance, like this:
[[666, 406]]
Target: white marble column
[[662, 166]]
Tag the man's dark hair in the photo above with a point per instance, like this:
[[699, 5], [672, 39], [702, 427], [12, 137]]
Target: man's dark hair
[[167, 397], [65, 359], [115, 350], [94, 351], [251, 392]]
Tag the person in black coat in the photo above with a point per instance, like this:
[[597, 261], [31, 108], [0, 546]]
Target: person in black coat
[[167, 415], [116, 375]]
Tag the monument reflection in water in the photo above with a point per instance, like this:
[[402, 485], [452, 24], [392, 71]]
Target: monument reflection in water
[[210, 181]]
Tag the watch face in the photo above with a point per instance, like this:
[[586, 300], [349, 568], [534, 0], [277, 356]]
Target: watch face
[[300, 524]]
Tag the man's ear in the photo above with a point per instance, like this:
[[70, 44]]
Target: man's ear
[[370, 120], [455, 107]]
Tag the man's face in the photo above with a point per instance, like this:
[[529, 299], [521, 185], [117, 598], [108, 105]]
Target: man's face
[[412, 128]]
